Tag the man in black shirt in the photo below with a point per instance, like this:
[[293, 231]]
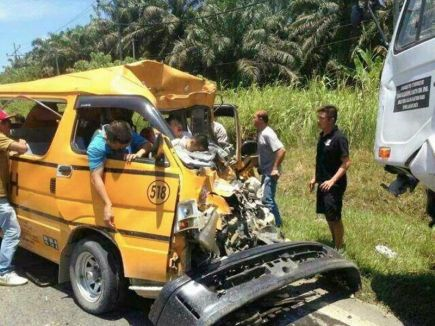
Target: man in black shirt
[[332, 162]]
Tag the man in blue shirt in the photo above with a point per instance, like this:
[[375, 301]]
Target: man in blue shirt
[[117, 137]]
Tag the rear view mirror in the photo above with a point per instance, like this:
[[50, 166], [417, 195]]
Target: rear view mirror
[[249, 148]]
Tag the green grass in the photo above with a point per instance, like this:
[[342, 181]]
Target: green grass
[[292, 110], [406, 284]]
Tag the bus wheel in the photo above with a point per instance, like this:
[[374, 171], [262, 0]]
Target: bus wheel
[[96, 276]]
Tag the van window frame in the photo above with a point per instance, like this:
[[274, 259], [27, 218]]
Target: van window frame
[[417, 41], [40, 101], [133, 103]]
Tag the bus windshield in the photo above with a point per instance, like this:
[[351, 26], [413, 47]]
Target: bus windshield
[[417, 24]]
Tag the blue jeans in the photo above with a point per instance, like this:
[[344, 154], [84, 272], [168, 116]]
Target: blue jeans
[[11, 235], [269, 197]]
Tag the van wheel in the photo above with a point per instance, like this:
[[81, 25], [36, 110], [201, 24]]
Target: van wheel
[[96, 276]]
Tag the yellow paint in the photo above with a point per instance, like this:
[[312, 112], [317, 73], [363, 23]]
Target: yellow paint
[[144, 226]]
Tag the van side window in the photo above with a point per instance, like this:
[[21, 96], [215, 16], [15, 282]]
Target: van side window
[[417, 24], [87, 123], [90, 120], [36, 122]]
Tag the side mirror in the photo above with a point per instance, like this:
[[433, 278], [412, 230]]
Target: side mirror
[[157, 151], [357, 15], [249, 147]]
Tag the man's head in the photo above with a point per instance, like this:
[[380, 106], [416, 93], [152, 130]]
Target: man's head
[[261, 119], [326, 117], [176, 126], [148, 134], [5, 122], [118, 134], [198, 143]]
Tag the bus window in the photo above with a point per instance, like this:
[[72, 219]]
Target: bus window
[[417, 25], [428, 22]]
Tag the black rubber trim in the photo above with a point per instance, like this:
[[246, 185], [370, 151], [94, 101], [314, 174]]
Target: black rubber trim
[[109, 230], [222, 287]]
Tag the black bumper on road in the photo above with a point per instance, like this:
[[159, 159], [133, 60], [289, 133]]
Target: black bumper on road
[[224, 286]]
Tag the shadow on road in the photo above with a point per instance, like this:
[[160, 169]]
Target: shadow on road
[[43, 273], [411, 297]]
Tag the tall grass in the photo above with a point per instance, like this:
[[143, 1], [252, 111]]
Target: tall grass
[[292, 110], [371, 216], [406, 284]]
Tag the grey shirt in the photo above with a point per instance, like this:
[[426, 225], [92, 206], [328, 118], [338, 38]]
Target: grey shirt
[[220, 133], [268, 144]]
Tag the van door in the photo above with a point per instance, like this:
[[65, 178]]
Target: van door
[[31, 174], [143, 196]]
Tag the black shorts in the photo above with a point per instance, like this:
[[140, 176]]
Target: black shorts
[[330, 203]]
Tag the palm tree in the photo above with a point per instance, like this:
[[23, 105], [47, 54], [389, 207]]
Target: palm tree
[[325, 33], [235, 46], [150, 27]]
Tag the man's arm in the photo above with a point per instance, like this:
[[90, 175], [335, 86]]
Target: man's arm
[[143, 151], [312, 183], [280, 154], [19, 146], [138, 142], [345, 164], [98, 184]]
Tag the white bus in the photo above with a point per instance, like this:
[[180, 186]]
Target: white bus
[[405, 133]]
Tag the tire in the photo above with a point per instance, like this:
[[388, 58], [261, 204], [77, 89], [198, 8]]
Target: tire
[[96, 276]]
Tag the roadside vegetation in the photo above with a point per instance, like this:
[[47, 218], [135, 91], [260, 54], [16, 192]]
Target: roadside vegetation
[[405, 285], [287, 57]]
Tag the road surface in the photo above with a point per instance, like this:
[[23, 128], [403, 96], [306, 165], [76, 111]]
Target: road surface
[[53, 304]]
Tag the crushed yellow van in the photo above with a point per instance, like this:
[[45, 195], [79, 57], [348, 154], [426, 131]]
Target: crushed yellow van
[[191, 230]]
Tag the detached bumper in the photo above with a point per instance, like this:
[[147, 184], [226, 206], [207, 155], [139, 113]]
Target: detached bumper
[[223, 287]]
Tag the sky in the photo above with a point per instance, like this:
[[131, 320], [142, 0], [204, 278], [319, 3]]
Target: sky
[[22, 21]]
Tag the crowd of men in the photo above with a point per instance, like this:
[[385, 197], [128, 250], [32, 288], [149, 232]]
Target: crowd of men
[[332, 162]]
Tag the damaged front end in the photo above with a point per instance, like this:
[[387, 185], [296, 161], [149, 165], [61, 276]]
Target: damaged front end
[[229, 218], [237, 256], [218, 290]]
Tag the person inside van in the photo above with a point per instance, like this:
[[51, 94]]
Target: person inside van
[[149, 134], [177, 127], [117, 137], [198, 143]]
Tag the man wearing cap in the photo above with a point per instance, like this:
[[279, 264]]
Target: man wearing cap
[[116, 137], [8, 219], [271, 153]]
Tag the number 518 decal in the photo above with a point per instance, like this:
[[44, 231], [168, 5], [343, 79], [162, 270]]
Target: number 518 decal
[[158, 192]]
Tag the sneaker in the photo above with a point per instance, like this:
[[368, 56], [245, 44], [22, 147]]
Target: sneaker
[[12, 279], [341, 251]]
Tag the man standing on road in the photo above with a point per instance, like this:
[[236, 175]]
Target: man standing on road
[[8, 219], [113, 138], [332, 162], [271, 154]]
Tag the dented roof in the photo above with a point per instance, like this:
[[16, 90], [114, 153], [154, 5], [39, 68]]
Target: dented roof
[[162, 85]]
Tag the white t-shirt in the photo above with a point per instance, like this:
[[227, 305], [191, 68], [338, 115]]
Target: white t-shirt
[[268, 144], [220, 132]]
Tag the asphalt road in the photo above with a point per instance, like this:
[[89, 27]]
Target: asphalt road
[[53, 305]]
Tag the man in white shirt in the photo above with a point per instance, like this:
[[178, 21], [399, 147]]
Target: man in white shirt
[[271, 153], [220, 133]]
